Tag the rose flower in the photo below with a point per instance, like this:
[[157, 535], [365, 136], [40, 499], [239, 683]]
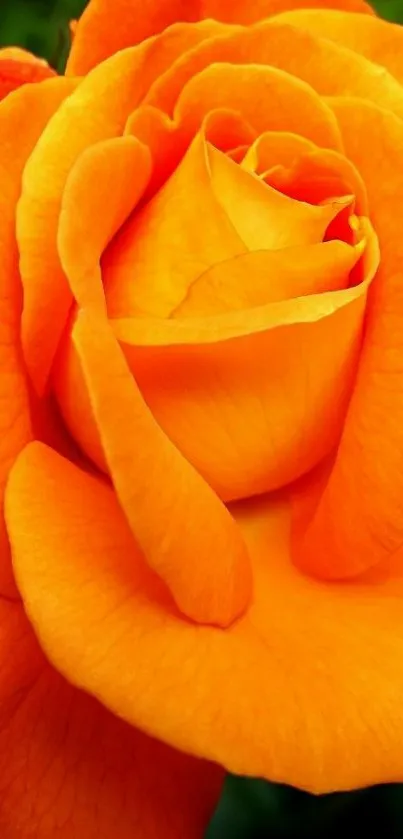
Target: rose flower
[[202, 460]]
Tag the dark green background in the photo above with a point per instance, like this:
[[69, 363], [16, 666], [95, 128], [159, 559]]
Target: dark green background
[[248, 809]]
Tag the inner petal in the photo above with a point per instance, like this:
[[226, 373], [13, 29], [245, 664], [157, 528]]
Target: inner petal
[[209, 211]]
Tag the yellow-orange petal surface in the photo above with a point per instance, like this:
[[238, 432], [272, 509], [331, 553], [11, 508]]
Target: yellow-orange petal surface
[[358, 519], [379, 40], [70, 769], [327, 67], [264, 697], [95, 39], [15, 423], [185, 533]]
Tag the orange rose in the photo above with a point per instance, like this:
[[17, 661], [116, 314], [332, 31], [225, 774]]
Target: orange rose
[[206, 530]]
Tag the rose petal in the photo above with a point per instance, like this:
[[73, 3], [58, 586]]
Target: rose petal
[[69, 769], [166, 248], [205, 565], [329, 68], [19, 67], [313, 175], [167, 143], [17, 138], [231, 390], [360, 513], [95, 39], [294, 105], [377, 39], [165, 245], [275, 147], [117, 170], [96, 111], [260, 277], [264, 698]]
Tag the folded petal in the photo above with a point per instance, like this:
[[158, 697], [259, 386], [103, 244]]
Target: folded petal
[[17, 138], [327, 67], [119, 169], [185, 533], [96, 39], [167, 244], [247, 88], [359, 514], [260, 277], [310, 175], [230, 390], [377, 39], [209, 211], [265, 697], [19, 67], [97, 110], [69, 769]]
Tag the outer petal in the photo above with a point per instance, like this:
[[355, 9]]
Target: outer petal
[[186, 534], [18, 67], [96, 111], [329, 68], [377, 39], [359, 516], [306, 688], [69, 769], [95, 38], [247, 88], [17, 138]]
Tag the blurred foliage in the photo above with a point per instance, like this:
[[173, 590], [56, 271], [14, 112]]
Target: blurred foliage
[[391, 9], [255, 809], [41, 26], [249, 809]]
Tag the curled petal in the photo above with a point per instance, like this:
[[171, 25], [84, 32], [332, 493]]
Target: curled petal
[[69, 768], [221, 386], [185, 533], [19, 67], [17, 139], [376, 39], [247, 88], [358, 508], [96, 39], [328, 68], [96, 111], [167, 247], [262, 697], [119, 169]]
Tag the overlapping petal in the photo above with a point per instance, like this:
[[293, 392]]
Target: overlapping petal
[[356, 521], [376, 39], [70, 769], [15, 423], [96, 111], [328, 67], [19, 67], [95, 39], [267, 696]]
